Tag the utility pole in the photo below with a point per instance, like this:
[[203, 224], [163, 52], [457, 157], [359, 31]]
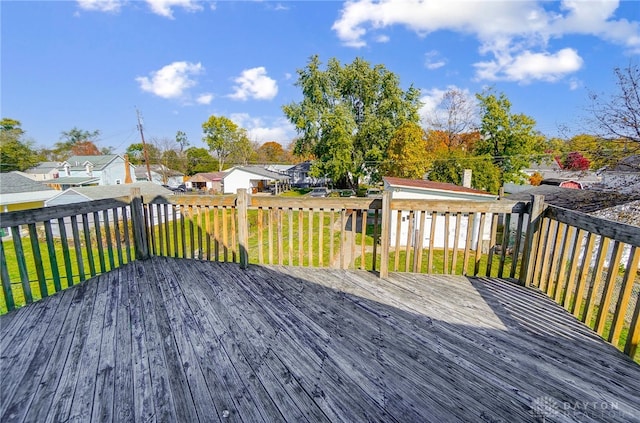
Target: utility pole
[[144, 147]]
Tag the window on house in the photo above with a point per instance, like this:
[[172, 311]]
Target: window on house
[[118, 182]]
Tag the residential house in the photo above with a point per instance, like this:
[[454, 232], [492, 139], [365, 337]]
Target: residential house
[[43, 171], [18, 192], [160, 174], [107, 169], [623, 177], [210, 182], [429, 190], [255, 179]]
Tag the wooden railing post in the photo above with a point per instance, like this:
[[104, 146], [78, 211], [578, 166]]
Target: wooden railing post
[[531, 240], [385, 232], [139, 225], [243, 227]]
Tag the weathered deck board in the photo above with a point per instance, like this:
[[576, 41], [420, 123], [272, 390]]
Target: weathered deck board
[[184, 340]]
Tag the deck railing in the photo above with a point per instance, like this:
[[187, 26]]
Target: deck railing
[[590, 266], [586, 264]]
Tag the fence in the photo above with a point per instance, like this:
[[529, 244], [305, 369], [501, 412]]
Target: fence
[[535, 244]]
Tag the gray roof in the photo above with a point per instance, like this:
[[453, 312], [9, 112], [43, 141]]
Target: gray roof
[[43, 168], [141, 171], [147, 189], [628, 164], [14, 183], [260, 171], [99, 162], [583, 200]]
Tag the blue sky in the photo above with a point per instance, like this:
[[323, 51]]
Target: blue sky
[[90, 64]]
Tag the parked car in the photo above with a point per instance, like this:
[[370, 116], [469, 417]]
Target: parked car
[[179, 188], [374, 193], [347, 193], [319, 192]]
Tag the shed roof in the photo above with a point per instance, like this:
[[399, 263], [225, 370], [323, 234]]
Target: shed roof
[[423, 184], [260, 171]]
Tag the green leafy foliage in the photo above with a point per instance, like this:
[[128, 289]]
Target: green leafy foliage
[[16, 153], [509, 138], [450, 168], [225, 139], [407, 152], [348, 116], [199, 160]]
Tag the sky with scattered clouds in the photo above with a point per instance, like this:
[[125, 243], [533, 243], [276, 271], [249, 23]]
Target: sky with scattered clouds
[[92, 63]]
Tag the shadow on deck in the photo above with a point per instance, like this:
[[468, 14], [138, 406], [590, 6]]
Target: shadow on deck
[[185, 340]]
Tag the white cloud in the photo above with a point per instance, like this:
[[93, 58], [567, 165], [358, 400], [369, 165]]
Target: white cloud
[[278, 129], [171, 81], [383, 38], [254, 83], [514, 32], [528, 66], [433, 61], [112, 6], [165, 7], [204, 98]]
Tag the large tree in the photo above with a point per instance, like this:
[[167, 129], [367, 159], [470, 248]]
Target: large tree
[[455, 117], [222, 136], [407, 152], [16, 153], [136, 153], [348, 115], [617, 116], [272, 152], [449, 167], [199, 160], [76, 139], [510, 139]]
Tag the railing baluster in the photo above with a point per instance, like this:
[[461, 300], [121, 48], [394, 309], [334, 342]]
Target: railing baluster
[[607, 293], [479, 241], [467, 247], [456, 240], [561, 277], [595, 280], [53, 260], [22, 264], [88, 245], [6, 281], [432, 240], [321, 238], [445, 246], [504, 247], [576, 308], [492, 243], [66, 255], [77, 248], [625, 295], [290, 217], [116, 229], [310, 237], [96, 225]]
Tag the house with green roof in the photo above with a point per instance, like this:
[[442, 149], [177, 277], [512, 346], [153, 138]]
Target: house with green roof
[[106, 169]]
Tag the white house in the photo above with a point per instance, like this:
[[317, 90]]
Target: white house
[[106, 169], [160, 174], [43, 171], [402, 188], [254, 179]]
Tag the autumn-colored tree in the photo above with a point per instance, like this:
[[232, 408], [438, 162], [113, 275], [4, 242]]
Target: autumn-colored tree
[[85, 148], [65, 147], [575, 161], [535, 179], [272, 152], [407, 153]]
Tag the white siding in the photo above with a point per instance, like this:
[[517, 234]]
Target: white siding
[[238, 178]]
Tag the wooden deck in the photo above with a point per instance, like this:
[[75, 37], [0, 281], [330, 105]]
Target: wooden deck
[[183, 340]]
